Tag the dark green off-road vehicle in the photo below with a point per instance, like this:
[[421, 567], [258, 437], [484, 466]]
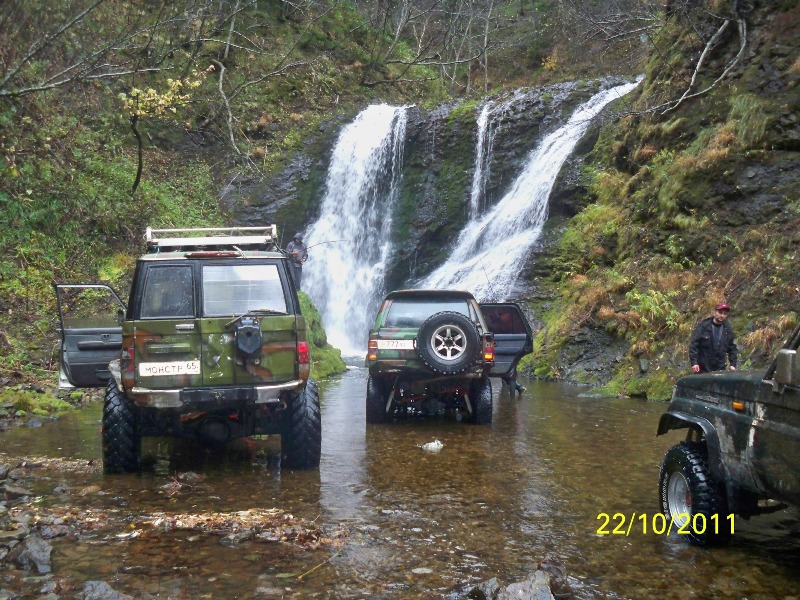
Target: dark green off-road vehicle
[[211, 346], [433, 351], [741, 455]]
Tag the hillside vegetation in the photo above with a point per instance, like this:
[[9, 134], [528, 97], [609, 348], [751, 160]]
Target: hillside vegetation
[[694, 201], [117, 115]]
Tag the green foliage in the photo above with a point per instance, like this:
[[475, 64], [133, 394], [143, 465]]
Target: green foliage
[[752, 117], [325, 359], [25, 401], [656, 310]]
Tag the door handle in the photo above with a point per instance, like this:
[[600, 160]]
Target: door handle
[[184, 327]]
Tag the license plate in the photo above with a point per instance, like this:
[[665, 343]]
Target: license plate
[[395, 344], [169, 369]]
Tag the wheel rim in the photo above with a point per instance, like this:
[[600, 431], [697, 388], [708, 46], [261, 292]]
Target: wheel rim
[[679, 498], [448, 342]]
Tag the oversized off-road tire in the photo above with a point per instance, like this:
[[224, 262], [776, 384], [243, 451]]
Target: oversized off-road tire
[[480, 396], [376, 401], [687, 488], [122, 444], [301, 434], [448, 342]]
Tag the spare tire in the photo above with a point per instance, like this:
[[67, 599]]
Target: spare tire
[[448, 342]]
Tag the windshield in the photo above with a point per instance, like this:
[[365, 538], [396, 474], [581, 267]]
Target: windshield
[[230, 290], [412, 313]]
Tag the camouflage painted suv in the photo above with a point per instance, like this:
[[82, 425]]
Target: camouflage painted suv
[[433, 351], [212, 346], [741, 453]]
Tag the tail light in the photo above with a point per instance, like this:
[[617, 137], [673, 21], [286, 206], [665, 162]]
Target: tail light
[[303, 360], [127, 359], [373, 350], [488, 348], [127, 367], [302, 353]]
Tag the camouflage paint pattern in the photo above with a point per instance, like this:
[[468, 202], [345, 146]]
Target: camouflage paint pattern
[[212, 343]]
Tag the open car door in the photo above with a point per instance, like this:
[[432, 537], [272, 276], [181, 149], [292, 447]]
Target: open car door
[[90, 316], [513, 338]]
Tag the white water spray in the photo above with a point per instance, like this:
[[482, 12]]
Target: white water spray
[[494, 246], [345, 278]]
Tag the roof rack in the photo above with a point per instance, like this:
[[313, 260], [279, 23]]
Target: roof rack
[[261, 238]]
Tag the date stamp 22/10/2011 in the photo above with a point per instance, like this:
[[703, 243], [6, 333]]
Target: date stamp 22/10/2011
[[659, 524]]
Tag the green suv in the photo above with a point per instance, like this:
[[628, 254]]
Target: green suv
[[211, 346], [433, 351]]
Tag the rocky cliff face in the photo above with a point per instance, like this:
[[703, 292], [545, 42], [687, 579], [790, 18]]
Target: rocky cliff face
[[438, 167]]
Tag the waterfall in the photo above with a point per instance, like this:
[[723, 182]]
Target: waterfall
[[494, 246], [487, 124], [483, 153], [350, 242]]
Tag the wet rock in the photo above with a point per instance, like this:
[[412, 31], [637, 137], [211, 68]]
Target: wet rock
[[535, 587], [234, 539], [13, 535], [100, 590], [32, 553], [53, 531], [7, 595], [486, 590], [559, 584], [14, 492], [34, 423], [4, 471]]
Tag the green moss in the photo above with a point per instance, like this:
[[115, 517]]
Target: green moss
[[30, 402], [325, 359]]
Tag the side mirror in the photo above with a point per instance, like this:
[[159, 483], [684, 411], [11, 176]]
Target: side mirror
[[120, 316], [787, 368]]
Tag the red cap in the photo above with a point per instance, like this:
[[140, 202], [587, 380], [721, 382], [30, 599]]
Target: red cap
[[723, 306]]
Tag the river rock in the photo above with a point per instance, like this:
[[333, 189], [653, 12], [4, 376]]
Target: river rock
[[4, 471], [14, 492], [535, 587], [236, 538], [32, 553], [100, 590], [13, 535]]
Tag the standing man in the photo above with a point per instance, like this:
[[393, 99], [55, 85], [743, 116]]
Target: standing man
[[298, 254], [712, 342]]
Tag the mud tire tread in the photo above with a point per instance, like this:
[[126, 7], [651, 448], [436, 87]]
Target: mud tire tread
[[301, 436], [707, 494], [122, 444], [376, 401], [480, 394]]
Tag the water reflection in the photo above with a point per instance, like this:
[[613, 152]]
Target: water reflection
[[493, 502]]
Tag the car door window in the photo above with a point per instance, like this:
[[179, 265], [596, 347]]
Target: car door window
[[168, 292]]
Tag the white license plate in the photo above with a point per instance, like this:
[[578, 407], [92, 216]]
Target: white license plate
[[395, 344], [169, 369]]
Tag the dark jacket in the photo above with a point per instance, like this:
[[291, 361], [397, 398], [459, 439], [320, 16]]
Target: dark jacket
[[297, 252], [702, 351]]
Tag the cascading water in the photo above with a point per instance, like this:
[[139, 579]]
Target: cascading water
[[493, 247], [488, 123], [350, 243]]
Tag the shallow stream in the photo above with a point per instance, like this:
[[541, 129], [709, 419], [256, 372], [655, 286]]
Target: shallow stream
[[493, 502]]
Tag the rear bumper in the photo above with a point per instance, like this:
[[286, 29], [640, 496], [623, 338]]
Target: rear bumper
[[207, 398]]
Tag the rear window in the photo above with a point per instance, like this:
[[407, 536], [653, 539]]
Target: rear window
[[412, 313], [237, 289]]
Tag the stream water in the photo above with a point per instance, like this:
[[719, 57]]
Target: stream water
[[492, 503]]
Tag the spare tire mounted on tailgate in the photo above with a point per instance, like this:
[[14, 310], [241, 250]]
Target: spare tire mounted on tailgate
[[448, 342]]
